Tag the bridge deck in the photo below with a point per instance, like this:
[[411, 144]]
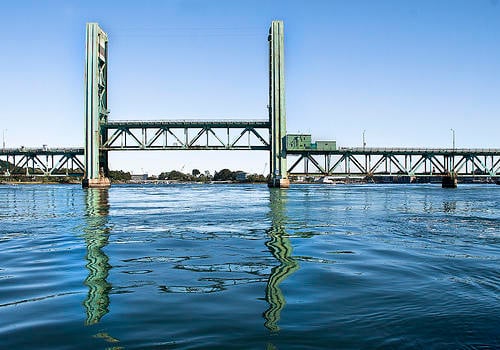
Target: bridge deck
[[340, 151], [343, 161], [189, 123], [402, 151], [21, 151]]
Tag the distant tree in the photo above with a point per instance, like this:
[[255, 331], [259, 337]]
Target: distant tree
[[174, 175], [256, 178], [195, 172], [119, 175], [224, 175], [177, 175]]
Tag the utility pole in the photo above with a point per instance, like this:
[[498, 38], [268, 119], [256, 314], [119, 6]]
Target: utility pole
[[452, 165]]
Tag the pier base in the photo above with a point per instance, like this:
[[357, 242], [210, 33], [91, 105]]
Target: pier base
[[449, 181], [102, 182], [279, 183]]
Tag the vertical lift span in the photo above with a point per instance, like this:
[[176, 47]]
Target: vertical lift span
[[96, 107]]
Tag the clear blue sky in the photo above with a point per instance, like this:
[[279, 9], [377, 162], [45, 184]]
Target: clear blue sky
[[404, 71]]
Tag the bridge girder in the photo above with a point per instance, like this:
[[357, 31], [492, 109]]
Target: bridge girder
[[187, 135], [396, 162], [40, 162]]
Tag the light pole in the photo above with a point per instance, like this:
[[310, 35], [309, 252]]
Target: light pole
[[453, 148], [3, 137], [364, 142]]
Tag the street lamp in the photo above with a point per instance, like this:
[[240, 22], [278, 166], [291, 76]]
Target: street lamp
[[453, 154], [364, 142], [3, 138]]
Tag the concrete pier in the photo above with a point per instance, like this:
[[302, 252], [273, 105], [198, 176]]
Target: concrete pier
[[450, 181]]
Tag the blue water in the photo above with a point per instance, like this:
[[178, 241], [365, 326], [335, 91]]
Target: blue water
[[245, 267]]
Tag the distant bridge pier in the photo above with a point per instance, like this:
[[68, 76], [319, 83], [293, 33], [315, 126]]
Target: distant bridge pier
[[96, 108], [277, 112]]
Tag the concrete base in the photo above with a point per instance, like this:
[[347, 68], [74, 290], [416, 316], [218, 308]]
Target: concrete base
[[279, 183], [102, 182], [449, 181]]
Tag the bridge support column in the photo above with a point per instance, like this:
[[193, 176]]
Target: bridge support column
[[277, 113], [96, 107]]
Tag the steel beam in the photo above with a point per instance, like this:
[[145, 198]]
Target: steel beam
[[277, 112], [187, 135], [96, 107], [41, 161], [412, 162]]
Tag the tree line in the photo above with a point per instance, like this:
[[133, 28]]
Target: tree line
[[222, 175]]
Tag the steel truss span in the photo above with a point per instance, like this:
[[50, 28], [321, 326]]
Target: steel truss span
[[187, 135], [41, 161], [411, 162]]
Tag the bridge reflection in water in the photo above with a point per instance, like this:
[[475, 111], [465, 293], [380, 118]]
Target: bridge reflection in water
[[281, 248], [96, 234]]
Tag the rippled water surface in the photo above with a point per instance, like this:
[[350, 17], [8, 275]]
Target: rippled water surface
[[245, 267]]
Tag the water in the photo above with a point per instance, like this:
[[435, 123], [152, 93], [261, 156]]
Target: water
[[245, 267]]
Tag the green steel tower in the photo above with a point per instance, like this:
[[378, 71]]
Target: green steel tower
[[277, 112], [96, 107]]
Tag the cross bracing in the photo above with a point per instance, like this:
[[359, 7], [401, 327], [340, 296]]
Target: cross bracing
[[396, 161], [41, 161], [187, 135], [342, 162]]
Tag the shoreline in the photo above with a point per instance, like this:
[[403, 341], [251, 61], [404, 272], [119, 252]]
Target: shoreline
[[153, 182]]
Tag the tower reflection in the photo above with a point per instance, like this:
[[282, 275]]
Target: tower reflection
[[280, 247], [96, 233]]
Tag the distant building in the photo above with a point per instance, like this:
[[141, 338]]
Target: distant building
[[139, 177], [241, 176]]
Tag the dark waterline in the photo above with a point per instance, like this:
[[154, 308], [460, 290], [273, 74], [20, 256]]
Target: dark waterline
[[246, 267]]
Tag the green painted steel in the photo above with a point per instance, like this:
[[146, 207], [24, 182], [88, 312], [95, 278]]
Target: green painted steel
[[41, 161], [187, 135], [411, 162], [298, 142], [189, 123], [277, 112], [302, 142], [325, 145], [96, 102]]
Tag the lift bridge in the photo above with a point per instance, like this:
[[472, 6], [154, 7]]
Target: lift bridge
[[321, 158]]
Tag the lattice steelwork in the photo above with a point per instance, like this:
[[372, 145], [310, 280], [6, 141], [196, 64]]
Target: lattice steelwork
[[96, 101], [277, 112], [397, 161], [41, 161], [187, 135]]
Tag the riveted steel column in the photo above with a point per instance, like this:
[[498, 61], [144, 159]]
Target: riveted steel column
[[277, 113], [96, 107]]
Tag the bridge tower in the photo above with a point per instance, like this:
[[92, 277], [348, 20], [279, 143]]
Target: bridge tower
[[277, 112], [96, 107]]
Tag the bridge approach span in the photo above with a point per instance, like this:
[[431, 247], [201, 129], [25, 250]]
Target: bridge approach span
[[342, 162]]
